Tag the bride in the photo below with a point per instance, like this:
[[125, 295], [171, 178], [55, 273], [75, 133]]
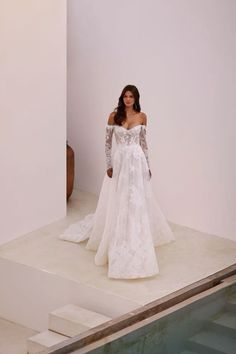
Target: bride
[[128, 223]]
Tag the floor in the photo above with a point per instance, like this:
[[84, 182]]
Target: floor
[[194, 256], [13, 337]]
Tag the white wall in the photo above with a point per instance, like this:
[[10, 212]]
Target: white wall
[[32, 114], [181, 55]]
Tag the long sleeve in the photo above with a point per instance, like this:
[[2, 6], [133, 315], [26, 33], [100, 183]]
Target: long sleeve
[[108, 145], [143, 143]]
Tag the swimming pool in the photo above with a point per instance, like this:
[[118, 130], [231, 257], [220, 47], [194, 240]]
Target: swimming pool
[[206, 326], [201, 324]]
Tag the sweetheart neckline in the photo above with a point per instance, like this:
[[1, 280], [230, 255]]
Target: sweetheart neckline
[[137, 125], [121, 126]]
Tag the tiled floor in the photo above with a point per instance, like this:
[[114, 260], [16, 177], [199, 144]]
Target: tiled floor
[[13, 337]]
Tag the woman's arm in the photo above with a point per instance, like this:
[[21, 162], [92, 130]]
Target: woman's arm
[[108, 143], [143, 140]]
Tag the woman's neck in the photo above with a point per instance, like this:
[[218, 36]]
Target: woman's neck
[[130, 111]]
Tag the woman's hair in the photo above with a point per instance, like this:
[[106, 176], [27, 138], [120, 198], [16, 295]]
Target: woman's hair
[[120, 114]]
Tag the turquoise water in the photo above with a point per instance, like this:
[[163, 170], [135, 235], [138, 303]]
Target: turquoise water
[[207, 326]]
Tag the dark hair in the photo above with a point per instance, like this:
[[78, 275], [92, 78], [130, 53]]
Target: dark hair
[[120, 114]]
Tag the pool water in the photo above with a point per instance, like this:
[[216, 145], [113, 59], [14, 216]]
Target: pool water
[[205, 326]]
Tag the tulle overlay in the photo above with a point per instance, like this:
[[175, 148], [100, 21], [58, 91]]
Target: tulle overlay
[[128, 222]]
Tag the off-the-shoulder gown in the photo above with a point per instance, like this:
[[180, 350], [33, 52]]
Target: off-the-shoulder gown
[[128, 223]]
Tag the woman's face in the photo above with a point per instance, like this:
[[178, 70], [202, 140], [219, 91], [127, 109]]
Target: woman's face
[[128, 99]]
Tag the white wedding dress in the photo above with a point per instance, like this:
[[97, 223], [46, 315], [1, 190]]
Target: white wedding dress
[[128, 223]]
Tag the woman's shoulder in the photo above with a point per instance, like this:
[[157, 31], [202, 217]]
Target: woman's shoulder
[[143, 118], [111, 117]]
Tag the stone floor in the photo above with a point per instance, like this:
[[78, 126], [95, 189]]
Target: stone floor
[[13, 337], [194, 255]]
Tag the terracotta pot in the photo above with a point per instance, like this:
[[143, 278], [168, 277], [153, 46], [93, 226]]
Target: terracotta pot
[[70, 164]]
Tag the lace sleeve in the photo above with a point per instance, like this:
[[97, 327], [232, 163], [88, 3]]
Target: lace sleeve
[[108, 145], [143, 143]]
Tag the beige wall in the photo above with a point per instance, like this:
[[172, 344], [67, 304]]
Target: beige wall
[[32, 114], [181, 55]]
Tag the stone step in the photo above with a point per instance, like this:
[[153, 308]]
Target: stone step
[[212, 343], [70, 320], [225, 324], [43, 341]]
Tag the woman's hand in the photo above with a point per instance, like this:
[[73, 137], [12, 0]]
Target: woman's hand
[[110, 172]]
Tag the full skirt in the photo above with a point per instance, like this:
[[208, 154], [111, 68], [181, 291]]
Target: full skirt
[[128, 223]]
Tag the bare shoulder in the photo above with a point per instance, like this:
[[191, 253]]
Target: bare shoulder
[[111, 118], [143, 118]]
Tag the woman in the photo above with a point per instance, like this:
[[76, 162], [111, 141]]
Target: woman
[[128, 222]]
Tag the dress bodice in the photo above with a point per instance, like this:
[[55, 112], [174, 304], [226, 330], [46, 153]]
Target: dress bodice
[[127, 136], [135, 136]]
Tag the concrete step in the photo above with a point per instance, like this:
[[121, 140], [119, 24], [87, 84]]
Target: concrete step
[[70, 320], [211, 343], [43, 341], [224, 324]]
